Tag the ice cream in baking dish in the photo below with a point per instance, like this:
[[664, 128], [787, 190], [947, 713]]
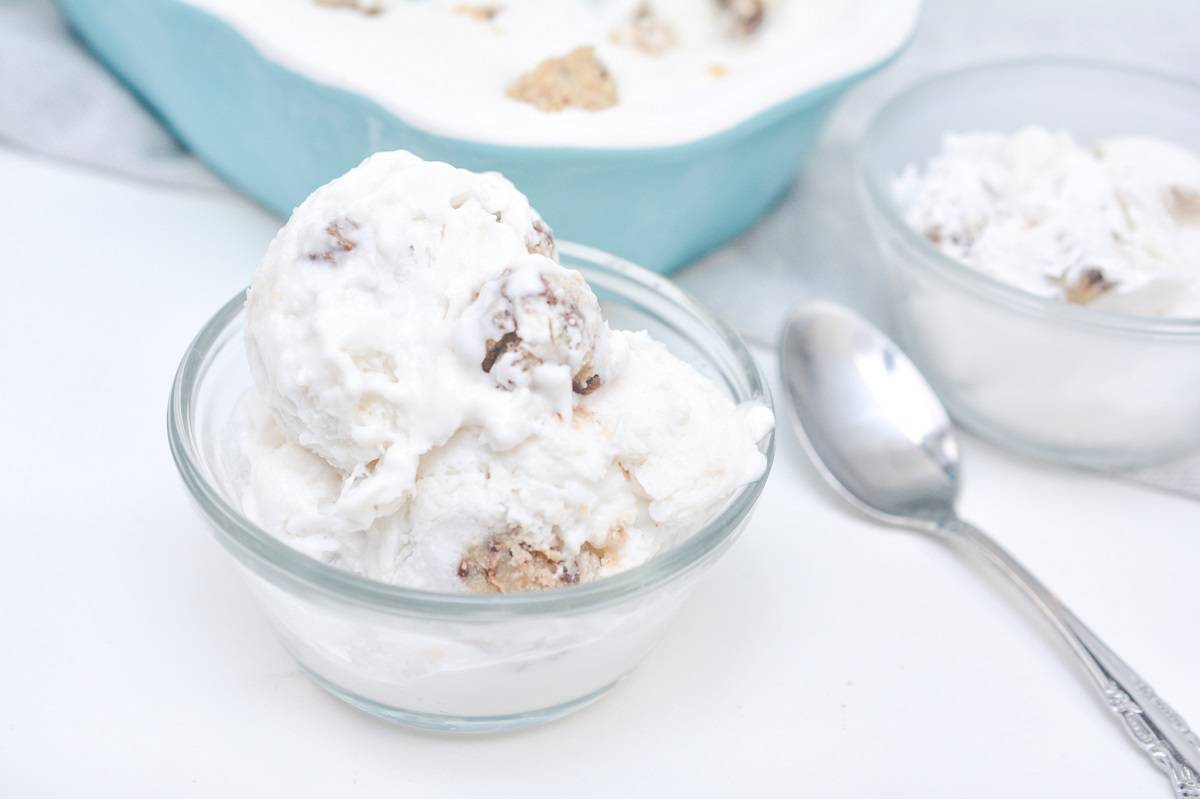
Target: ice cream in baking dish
[[576, 73], [439, 403]]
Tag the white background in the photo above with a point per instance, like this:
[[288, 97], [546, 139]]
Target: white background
[[822, 657]]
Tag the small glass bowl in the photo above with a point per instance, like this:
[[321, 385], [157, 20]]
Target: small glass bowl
[[1059, 381], [463, 662]]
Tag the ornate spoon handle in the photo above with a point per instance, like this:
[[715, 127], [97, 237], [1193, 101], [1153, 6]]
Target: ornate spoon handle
[[1153, 725]]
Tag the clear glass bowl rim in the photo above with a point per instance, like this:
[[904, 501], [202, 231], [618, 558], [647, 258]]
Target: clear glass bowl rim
[[879, 197], [285, 565]]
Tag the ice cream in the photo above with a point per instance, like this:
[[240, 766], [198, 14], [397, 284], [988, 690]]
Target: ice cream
[[439, 403], [1115, 226], [613, 73]]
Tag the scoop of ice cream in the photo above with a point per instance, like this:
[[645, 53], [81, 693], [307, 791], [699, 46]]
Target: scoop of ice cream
[[369, 320], [440, 404], [639, 465]]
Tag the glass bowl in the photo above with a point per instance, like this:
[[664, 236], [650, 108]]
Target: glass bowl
[[1059, 381], [463, 662]]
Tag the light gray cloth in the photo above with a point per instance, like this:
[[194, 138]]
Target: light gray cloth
[[60, 102]]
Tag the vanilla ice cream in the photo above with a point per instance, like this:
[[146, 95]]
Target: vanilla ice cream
[[680, 70], [440, 404], [1115, 225]]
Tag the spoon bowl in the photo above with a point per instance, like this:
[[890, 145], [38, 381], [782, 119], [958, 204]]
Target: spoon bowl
[[868, 418]]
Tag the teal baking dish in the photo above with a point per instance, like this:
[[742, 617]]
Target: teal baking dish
[[276, 135]]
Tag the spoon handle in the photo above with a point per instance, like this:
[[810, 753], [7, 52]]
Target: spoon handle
[[1157, 729]]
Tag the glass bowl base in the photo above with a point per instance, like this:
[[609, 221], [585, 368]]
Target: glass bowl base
[[460, 725]]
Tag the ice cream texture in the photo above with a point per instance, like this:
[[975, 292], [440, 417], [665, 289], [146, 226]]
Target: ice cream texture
[[1114, 225], [439, 403], [680, 70]]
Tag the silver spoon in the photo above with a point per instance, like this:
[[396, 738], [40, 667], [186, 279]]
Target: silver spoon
[[879, 435]]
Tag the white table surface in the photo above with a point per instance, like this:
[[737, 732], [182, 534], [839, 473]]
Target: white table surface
[[821, 657]]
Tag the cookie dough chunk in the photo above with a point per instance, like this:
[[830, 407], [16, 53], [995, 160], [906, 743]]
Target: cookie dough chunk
[[746, 16], [509, 562], [576, 80], [368, 7], [1087, 286], [1184, 205], [645, 31], [478, 11]]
